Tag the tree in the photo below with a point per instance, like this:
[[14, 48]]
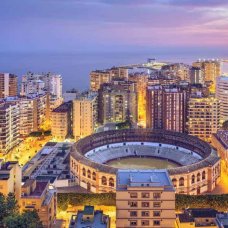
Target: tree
[[2, 207], [13, 221], [31, 219], [11, 204]]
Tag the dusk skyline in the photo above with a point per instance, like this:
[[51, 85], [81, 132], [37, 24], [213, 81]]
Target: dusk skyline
[[75, 25]]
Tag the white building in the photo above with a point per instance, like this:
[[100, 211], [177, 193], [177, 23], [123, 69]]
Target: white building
[[222, 96], [9, 126]]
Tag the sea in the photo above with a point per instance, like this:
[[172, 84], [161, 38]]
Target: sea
[[75, 67]]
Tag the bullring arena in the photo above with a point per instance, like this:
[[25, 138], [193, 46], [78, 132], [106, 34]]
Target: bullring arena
[[198, 169]]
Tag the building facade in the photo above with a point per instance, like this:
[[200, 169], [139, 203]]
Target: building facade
[[10, 178], [61, 121], [9, 126], [222, 96], [211, 69], [36, 195], [8, 85], [166, 108], [144, 198], [84, 115], [203, 117], [117, 102]]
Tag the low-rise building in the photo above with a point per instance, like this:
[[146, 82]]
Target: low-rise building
[[37, 195], [144, 198], [197, 217], [89, 218], [61, 121], [50, 163], [10, 178]]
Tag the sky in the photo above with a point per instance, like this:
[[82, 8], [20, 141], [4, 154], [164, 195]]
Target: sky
[[112, 25]]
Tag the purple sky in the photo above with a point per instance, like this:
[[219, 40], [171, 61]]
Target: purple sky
[[84, 25]]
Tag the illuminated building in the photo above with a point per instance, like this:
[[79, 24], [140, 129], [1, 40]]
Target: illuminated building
[[197, 217], [222, 96], [99, 77], [8, 85], [141, 81], [203, 117], [166, 108], [10, 178], [33, 111], [196, 76], [211, 69], [117, 102], [220, 142], [89, 218], [36, 195], [84, 115], [176, 70], [45, 83], [61, 121], [9, 126], [199, 169], [144, 198]]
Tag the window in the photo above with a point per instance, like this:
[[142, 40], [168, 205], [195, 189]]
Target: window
[[104, 180], [84, 172], [145, 213], [157, 195], [111, 182], [133, 223], [94, 176], [145, 223], [145, 204], [157, 204], [156, 213], [181, 181], [134, 195], [174, 181], [133, 213], [198, 177], [203, 175], [145, 195], [133, 204], [193, 179], [156, 223]]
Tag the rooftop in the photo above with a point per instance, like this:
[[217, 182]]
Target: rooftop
[[65, 107], [99, 220], [222, 137], [140, 178]]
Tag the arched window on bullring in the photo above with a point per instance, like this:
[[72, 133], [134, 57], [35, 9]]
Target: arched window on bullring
[[111, 182], [181, 181], [174, 181], [104, 180], [84, 172], [94, 176], [89, 173], [203, 175], [193, 179], [198, 177]]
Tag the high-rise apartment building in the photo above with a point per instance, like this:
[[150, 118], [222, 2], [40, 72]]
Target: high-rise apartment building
[[222, 96], [117, 102], [141, 81], [9, 126], [36, 195], [166, 108], [211, 69], [84, 115], [8, 85], [61, 121], [196, 76], [45, 83], [10, 178], [144, 198], [203, 117], [33, 111], [99, 77]]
